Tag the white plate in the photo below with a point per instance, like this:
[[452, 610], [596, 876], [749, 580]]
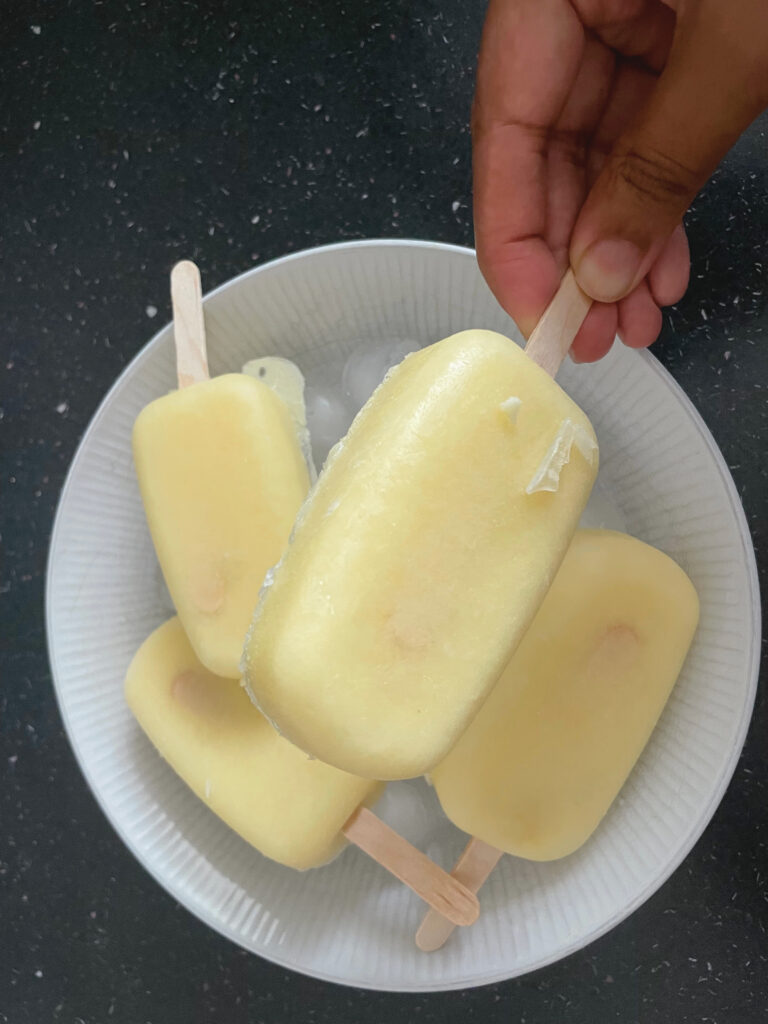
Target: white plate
[[359, 305]]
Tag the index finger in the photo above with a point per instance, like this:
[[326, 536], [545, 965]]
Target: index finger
[[530, 54]]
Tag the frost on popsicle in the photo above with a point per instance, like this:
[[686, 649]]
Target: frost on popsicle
[[287, 381], [547, 476], [511, 406], [267, 582], [284, 378]]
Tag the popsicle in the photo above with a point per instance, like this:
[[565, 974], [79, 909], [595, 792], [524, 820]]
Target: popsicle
[[295, 810], [548, 752], [428, 542], [222, 476]]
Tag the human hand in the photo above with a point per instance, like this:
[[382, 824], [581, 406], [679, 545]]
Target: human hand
[[594, 125]]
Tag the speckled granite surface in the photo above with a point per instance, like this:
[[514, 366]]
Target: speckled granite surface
[[132, 134]]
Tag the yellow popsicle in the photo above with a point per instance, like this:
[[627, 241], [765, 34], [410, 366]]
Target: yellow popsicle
[[553, 744], [293, 809], [421, 556], [222, 476], [288, 806]]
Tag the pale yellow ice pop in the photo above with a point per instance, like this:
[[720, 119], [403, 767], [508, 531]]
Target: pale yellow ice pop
[[546, 755], [295, 810], [421, 556], [222, 476], [288, 806]]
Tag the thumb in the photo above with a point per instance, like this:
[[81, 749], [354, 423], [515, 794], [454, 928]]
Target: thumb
[[715, 83]]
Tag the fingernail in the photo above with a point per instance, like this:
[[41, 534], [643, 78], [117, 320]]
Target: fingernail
[[574, 358], [607, 269]]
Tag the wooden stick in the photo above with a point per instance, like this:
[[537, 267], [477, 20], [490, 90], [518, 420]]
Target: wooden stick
[[447, 896], [472, 868], [553, 335], [188, 324]]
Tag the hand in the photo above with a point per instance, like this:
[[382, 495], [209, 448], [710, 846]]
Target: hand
[[594, 125]]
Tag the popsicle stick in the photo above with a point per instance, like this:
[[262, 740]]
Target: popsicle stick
[[445, 894], [553, 335], [472, 868], [188, 324]]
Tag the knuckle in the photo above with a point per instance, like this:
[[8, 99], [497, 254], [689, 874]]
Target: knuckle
[[573, 146], [655, 176]]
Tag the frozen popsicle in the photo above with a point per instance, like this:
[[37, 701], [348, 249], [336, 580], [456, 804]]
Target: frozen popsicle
[[295, 810], [421, 556], [540, 765], [222, 476]]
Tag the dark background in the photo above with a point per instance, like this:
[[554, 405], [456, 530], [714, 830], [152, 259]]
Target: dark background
[[136, 133]]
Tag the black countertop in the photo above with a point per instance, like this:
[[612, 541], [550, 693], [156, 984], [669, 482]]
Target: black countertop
[[135, 133]]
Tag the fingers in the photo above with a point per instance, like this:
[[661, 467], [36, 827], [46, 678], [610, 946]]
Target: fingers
[[529, 57], [668, 277], [569, 145], [596, 334], [715, 82], [632, 87], [642, 30], [639, 318], [523, 276]]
